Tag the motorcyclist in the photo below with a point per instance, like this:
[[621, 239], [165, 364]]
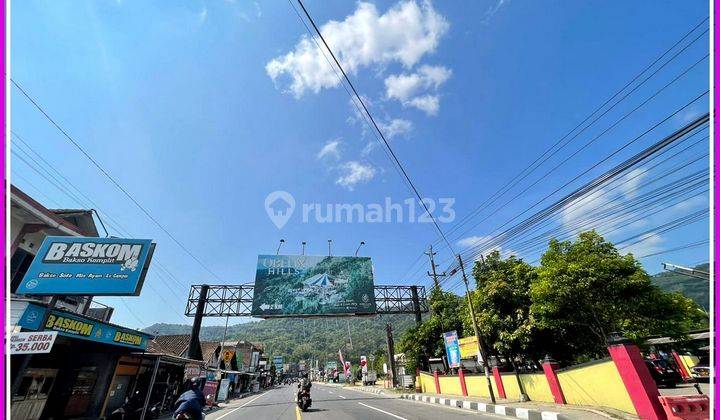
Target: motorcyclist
[[191, 402], [305, 384]]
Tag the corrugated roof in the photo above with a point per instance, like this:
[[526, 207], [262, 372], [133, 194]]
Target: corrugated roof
[[174, 344], [208, 349]]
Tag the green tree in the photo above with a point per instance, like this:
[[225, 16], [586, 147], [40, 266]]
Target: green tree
[[424, 341], [502, 305], [586, 289]]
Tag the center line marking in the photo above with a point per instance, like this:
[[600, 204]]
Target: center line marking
[[383, 411]]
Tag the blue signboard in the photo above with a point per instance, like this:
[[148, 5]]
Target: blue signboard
[[71, 325], [66, 265], [278, 362], [452, 348]]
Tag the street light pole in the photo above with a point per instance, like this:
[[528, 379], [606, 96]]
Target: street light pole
[[358, 248], [482, 354]]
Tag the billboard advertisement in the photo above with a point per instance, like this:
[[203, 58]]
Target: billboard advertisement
[[278, 362], [468, 347], [303, 285], [67, 265], [452, 348]]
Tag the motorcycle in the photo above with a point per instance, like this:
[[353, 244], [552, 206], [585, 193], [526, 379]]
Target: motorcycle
[[132, 409], [303, 399]]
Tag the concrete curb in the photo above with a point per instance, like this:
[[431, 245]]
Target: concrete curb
[[502, 410]]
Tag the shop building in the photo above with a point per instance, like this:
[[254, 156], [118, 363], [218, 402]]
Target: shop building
[[73, 379]]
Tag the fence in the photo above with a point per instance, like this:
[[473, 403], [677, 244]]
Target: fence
[[621, 382]]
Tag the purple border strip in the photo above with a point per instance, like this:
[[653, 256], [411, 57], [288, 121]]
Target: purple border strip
[[3, 212], [3, 208], [716, 237]]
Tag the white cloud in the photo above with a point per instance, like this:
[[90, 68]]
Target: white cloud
[[631, 181], [430, 104], [330, 149], [354, 173], [690, 204], [650, 243], [471, 241], [590, 204], [405, 86], [405, 33], [412, 89], [396, 127], [490, 12]]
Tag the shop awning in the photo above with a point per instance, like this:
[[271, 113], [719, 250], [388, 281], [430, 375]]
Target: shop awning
[[78, 326]]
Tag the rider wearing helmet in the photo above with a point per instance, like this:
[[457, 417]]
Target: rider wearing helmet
[[305, 382], [191, 402]]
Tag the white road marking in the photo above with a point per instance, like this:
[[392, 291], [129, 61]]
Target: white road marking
[[383, 411], [342, 397], [230, 412], [330, 392]]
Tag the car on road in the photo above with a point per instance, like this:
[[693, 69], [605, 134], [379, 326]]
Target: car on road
[[663, 373], [701, 371]]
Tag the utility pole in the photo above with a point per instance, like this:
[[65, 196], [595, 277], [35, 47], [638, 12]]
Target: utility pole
[[416, 305], [391, 353], [482, 354], [222, 343], [434, 274], [194, 351]]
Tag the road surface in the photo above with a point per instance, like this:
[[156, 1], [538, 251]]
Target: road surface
[[338, 404]]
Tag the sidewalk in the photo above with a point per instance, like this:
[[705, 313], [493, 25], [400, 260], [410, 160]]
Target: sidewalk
[[524, 410]]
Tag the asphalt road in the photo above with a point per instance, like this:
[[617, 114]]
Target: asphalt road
[[338, 404]]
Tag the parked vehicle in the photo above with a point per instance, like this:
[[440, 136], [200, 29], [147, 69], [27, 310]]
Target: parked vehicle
[[133, 407], [663, 374], [369, 378], [701, 371]]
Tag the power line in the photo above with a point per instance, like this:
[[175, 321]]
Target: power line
[[345, 88], [87, 202], [108, 176], [642, 155], [679, 248], [375, 125], [563, 162], [663, 144], [549, 152]]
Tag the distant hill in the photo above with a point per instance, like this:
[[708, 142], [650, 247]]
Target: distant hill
[[302, 339], [694, 288]]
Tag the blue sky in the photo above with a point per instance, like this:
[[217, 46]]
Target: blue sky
[[201, 109]]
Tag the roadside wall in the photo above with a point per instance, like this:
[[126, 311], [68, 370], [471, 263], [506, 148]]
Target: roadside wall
[[596, 384]]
